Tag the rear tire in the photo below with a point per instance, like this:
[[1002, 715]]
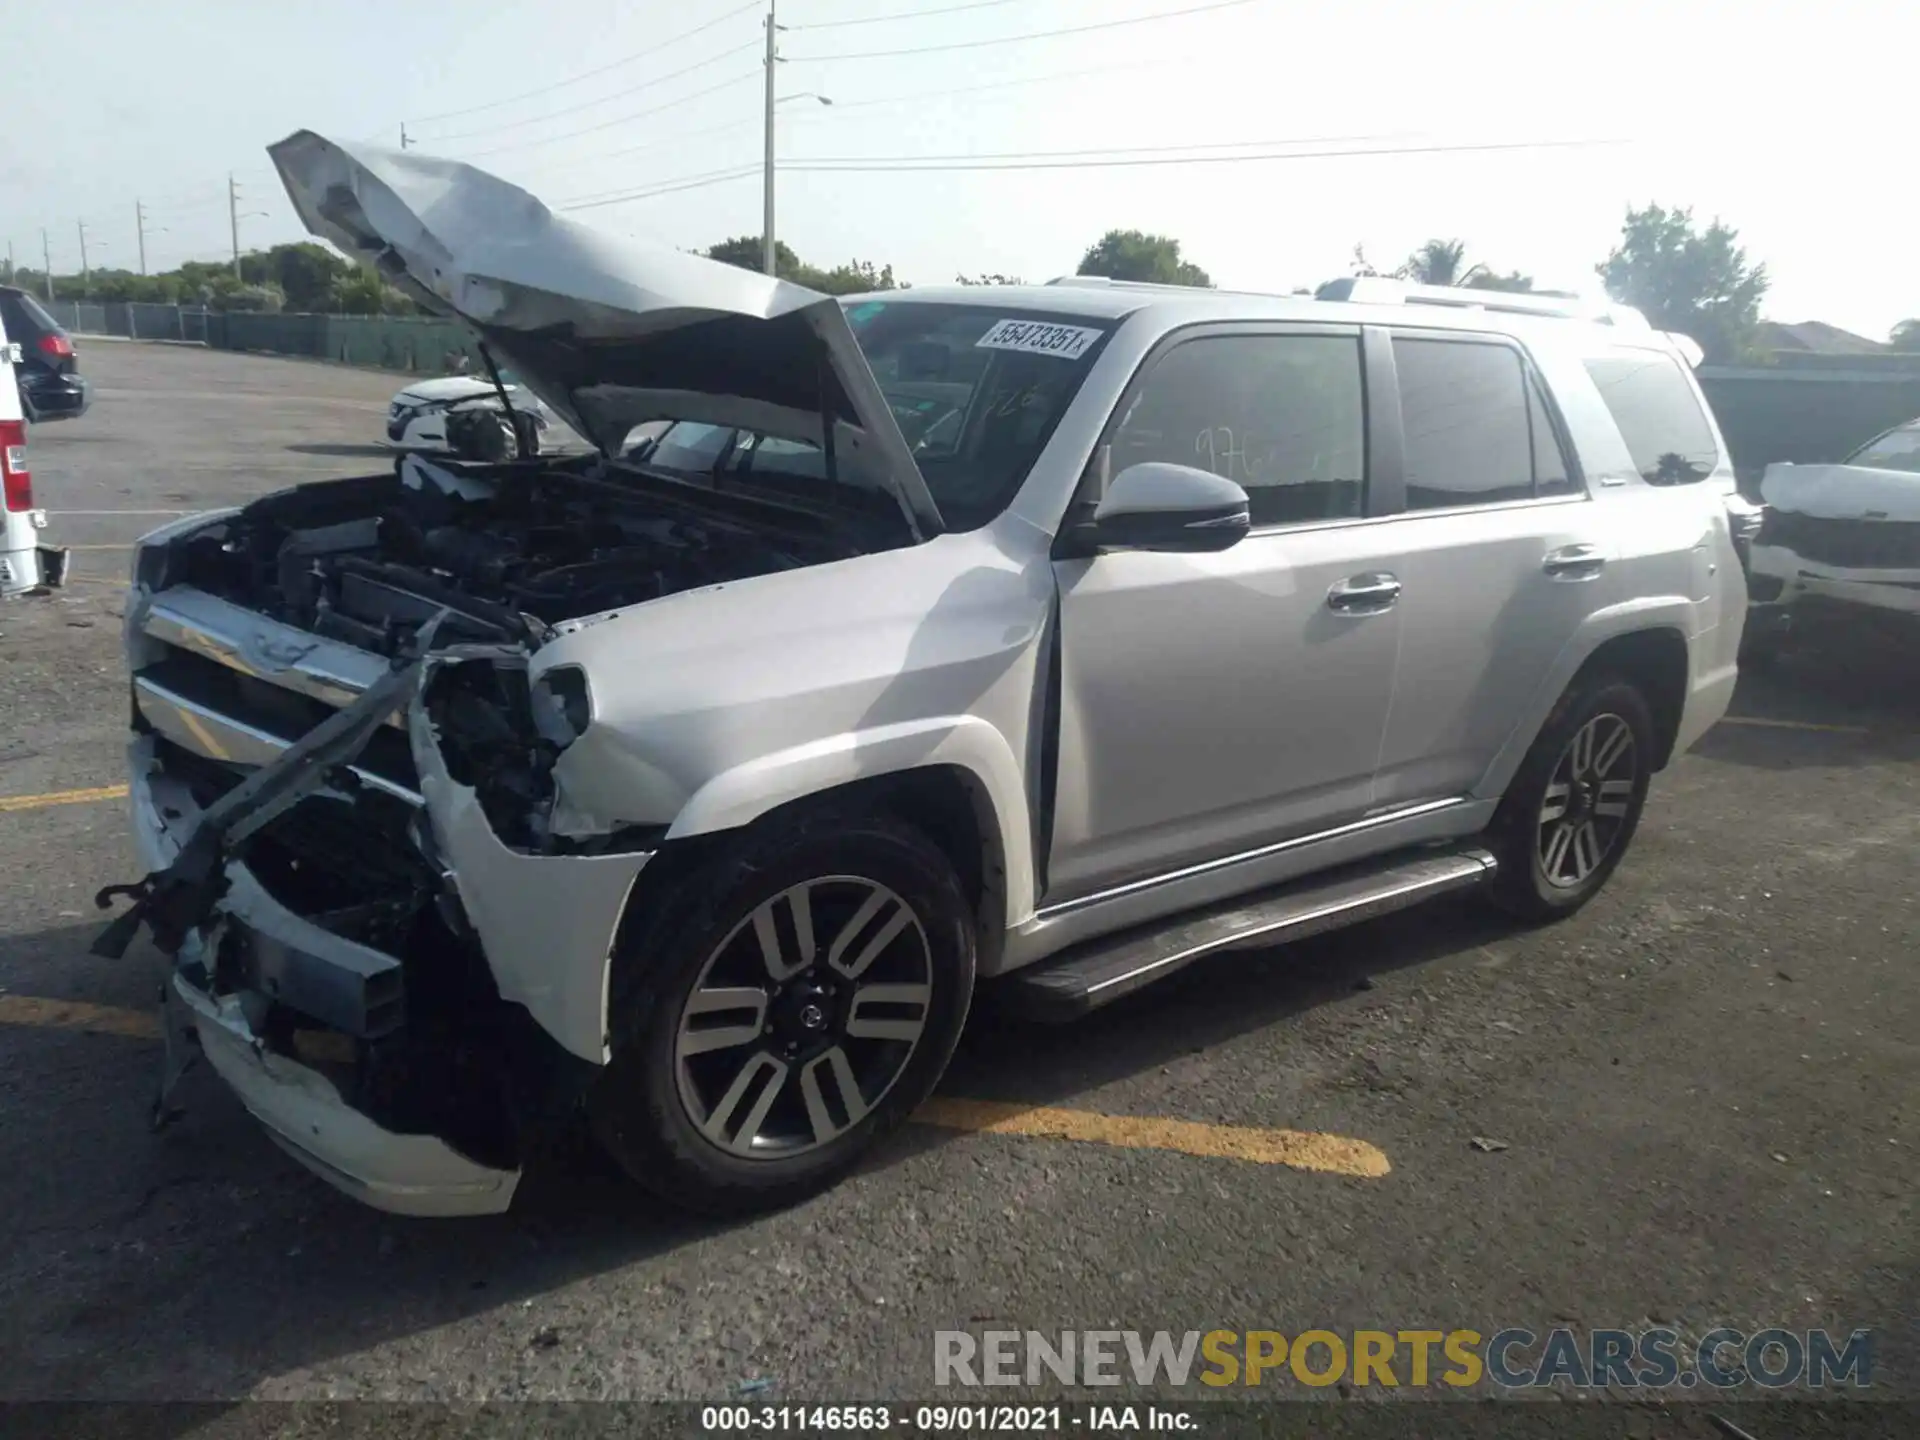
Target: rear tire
[[829, 960], [1572, 808]]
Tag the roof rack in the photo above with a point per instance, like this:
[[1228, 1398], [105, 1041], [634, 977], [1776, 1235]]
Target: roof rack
[[1103, 282], [1381, 290]]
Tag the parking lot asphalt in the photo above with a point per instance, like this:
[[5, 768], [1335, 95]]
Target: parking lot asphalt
[[1694, 1102]]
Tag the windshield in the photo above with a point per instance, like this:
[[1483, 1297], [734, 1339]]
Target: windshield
[[975, 390], [1895, 450]]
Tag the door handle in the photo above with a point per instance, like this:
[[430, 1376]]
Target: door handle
[[1574, 562], [1366, 594]]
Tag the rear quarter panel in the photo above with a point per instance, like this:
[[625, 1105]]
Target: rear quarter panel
[[1673, 557]]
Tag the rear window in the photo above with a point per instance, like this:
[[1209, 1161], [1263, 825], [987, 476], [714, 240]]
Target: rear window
[[23, 315], [1666, 431]]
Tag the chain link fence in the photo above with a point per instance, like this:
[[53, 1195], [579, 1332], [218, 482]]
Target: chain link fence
[[408, 344]]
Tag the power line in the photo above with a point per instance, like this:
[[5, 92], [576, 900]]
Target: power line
[[589, 104], [902, 15], [589, 74], [1033, 35], [672, 137], [1129, 150], [1153, 64], [690, 182], [907, 164], [618, 119]]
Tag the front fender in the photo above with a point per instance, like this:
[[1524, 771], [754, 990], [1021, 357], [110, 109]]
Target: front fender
[[740, 795]]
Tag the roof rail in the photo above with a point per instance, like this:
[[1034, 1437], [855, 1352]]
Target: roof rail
[[1382, 290], [1103, 282]]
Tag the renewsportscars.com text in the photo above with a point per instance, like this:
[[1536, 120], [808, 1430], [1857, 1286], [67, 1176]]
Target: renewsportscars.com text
[[1512, 1358]]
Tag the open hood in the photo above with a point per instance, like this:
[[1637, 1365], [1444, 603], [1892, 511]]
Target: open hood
[[610, 333]]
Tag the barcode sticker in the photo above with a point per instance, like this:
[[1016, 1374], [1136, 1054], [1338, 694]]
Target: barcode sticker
[[1033, 337]]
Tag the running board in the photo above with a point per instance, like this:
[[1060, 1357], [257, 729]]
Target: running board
[[1101, 971]]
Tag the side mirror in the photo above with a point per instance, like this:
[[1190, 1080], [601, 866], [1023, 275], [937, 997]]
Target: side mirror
[[1158, 506]]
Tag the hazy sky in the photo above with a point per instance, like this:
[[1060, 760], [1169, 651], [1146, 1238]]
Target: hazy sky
[[1792, 121]]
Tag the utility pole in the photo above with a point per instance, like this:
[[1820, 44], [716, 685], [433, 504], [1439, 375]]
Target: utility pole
[[766, 218], [140, 229], [9, 262], [404, 141], [233, 220], [86, 275], [46, 259]]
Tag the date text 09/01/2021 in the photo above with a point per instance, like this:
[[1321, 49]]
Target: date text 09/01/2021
[[941, 1419]]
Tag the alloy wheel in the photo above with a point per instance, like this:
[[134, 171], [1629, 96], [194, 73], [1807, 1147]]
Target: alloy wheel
[[1588, 800], [803, 1018]]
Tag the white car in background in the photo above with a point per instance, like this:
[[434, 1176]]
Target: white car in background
[[462, 415], [1840, 541]]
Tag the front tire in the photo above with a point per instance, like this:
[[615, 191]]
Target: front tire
[[1575, 802], [790, 1003]]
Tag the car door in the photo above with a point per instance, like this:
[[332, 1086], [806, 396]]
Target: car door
[[1501, 556], [1214, 703]]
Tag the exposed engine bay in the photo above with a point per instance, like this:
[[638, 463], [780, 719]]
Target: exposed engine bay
[[509, 550]]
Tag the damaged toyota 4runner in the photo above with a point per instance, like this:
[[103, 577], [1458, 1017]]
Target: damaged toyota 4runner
[[1051, 635]]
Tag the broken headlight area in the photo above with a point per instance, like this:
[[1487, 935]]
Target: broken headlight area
[[500, 735]]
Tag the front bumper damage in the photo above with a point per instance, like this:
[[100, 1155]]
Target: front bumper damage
[[1785, 580], [415, 1076]]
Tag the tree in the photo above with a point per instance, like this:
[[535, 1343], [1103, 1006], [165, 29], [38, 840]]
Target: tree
[[745, 252], [1135, 255], [1906, 336], [357, 294], [307, 273], [853, 278], [1697, 282], [993, 279], [1484, 279], [1438, 262]]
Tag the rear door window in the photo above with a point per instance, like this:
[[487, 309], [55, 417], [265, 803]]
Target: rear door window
[[1476, 429], [1666, 431]]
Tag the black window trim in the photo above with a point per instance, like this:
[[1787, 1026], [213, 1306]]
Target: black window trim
[[1531, 376], [1380, 449]]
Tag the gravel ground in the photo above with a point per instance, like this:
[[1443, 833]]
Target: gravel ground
[[1704, 1083]]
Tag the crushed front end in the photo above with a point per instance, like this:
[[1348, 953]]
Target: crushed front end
[[370, 935]]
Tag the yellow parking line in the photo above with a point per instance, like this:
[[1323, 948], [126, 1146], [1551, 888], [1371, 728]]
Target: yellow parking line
[[1303, 1150], [62, 797], [1794, 725], [78, 1015]]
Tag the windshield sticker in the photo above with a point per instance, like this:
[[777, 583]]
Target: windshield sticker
[[1067, 342], [860, 314]]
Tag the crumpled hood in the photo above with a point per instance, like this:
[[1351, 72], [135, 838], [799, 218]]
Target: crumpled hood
[[1842, 492], [610, 333]]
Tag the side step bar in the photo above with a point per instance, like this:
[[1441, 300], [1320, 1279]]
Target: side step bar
[[1101, 971]]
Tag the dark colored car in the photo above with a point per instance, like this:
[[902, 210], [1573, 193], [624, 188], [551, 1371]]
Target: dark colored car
[[51, 385]]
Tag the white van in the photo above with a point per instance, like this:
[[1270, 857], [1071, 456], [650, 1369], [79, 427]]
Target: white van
[[25, 564]]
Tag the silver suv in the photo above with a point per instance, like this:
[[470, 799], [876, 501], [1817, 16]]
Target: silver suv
[[1054, 636]]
